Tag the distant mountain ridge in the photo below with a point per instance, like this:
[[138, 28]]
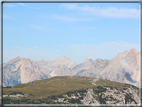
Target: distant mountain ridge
[[52, 63], [84, 65], [62, 70], [124, 67], [22, 70]]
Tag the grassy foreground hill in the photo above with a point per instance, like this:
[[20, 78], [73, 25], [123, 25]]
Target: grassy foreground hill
[[71, 90]]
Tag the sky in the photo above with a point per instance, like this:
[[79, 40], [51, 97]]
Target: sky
[[75, 30]]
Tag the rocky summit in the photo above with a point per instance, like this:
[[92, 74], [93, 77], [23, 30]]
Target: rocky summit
[[84, 65], [72, 90], [53, 63], [124, 68], [62, 70], [22, 70]]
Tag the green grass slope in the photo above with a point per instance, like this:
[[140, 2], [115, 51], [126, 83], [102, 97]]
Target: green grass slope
[[48, 90]]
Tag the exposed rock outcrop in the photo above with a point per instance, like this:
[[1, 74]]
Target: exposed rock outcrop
[[84, 65], [104, 95], [72, 90], [53, 63], [22, 70], [95, 69], [124, 67], [63, 70]]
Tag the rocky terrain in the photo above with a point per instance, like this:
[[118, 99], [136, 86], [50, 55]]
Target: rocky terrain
[[62, 70], [124, 68], [53, 63], [84, 65], [72, 90], [22, 70], [107, 95], [94, 70]]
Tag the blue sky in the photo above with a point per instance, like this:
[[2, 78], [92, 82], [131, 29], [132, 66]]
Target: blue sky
[[76, 30]]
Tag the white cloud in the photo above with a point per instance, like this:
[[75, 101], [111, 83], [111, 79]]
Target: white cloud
[[70, 19], [112, 12]]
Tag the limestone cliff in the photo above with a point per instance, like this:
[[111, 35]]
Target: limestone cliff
[[22, 70], [125, 67], [53, 63]]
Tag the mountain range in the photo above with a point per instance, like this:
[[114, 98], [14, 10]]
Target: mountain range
[[124, 67], [22, 70], [72, 90], [53, 63]]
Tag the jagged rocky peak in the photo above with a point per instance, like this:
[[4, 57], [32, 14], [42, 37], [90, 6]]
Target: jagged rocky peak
[[64, 57], [131, 57], [128, 52], [131, 51], [22, 70], [18, 57], [123, 68], [100, 60], [59, 59], [88, 59], [52, 63], [14, 60], [84, 65], [26, 59]]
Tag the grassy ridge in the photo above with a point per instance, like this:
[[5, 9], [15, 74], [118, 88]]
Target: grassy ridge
[[48, 87], [45, 90]]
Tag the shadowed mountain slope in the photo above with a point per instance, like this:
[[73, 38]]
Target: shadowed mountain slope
[[84, 65], [123, 68]]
